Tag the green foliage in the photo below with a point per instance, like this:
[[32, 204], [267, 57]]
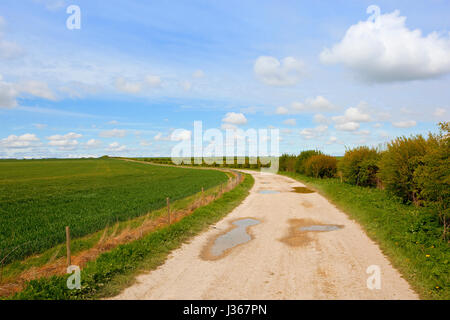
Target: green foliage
[[398, 163], [321, 166], [410, 236], [433, 175], [359, 166], [152, 250], [302, 157], [38, 198]]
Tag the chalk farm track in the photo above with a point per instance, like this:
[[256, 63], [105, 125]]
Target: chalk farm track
[[280, 262]]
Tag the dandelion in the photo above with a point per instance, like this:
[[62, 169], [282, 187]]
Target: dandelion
[[427, 255]]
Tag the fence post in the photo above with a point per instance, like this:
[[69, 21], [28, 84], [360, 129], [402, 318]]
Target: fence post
[[168, 209], [68, 245]]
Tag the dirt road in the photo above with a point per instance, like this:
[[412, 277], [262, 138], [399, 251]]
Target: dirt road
[[280, 261]]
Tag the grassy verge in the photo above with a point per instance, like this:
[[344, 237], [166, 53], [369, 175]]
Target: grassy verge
[[409, 236], [115, 269]]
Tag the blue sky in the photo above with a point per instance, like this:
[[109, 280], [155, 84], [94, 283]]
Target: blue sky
[[328, 74]]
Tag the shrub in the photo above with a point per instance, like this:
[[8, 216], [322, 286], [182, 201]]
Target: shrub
[[287, 162], [321, 166], [433, 175], [301, 159], [359, 166], [398, 163]]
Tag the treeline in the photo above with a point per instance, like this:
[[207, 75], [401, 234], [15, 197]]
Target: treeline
[[236, 162], [416, 169]]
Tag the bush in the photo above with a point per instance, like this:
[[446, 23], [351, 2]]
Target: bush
[[287, 162], [433, 175], [398, 163], [321, 166], [359, 166], [301, 159]]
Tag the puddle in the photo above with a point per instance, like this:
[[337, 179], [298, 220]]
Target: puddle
[[302, 190], [268, 191], [327, 227], [301, 231], [232, 238]]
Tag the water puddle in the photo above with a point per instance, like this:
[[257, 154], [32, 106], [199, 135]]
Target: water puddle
[[268, 191], [237, 235], [327, 227], [302, 190], [301, 231]]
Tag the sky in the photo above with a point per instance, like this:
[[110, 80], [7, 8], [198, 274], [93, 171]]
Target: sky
[[135, 75]]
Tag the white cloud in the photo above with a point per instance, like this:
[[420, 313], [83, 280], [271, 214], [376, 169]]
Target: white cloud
[[113, 122], [282, 110], [128, 87], [320, 118], [8, 50], [26, 140], [40, 125], [186, 85], [52, 5], [235, 118], [439, 112], [117, 133], [311, 133], [347, 126], [198, 74], [404, 124], [270, 71], [310, 105], [383, 49], [8, 95], [145, 143], [353, 114], [180, 135], [37, 89], [64, 142], [153, 81], [290, 122], [332, 140], [93, 143], [115, 146]]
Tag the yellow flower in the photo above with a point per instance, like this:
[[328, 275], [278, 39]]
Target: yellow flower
[[437, 287], [427, 255]]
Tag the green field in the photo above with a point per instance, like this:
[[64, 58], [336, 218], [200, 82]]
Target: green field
[[38, 198]]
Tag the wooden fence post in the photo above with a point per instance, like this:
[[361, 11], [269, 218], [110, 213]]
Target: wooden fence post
[[168, 209], [68, 245]]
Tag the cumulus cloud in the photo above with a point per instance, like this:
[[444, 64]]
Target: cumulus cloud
[[93, 143], [272, 72], [64, 142], [153, 81], [235, 118], [8, 95], [180, 135], [36, 88], [310, 105], [290, 122], [320, 118], [116, 133], [123, 85], [383, 49], [352, 118], [115, 147], [404, 124], [26, 140], [311, 133]]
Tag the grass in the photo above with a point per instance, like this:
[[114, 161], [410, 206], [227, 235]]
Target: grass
[[38, 198], [115, 269], [410, 236]]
